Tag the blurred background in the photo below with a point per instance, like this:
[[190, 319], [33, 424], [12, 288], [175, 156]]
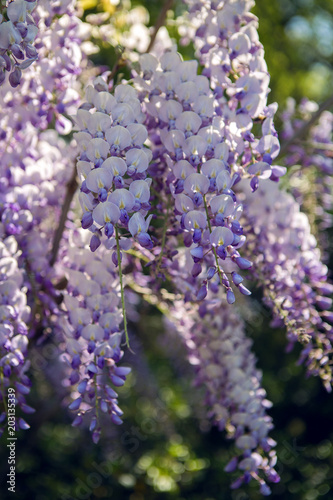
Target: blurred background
[[166, 449]]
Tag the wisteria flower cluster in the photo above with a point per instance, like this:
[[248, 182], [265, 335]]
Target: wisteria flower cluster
[[227, 45], [200, 180], [310, 161], [163, 184], [91, 324], [113, 164], [234, 397], [293, 277], [35, 170], [14, 318], [18, 31]]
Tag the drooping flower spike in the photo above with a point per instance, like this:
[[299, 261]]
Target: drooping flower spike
[[90, 321], [224, 365], [35, 168], [287, 264], [227, 45], [14, 317], [219, 351], [17, 34], [199, 174], [49, 92], [310, 163], [112, 166]]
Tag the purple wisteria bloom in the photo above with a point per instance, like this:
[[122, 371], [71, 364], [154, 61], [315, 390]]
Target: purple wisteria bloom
[[287, 264], [310, 163], [17, 35], [188, 137], [227, 45], [224, 365], [90, 321], [112, 165], [14, 316], [36, 166], [173, 169]]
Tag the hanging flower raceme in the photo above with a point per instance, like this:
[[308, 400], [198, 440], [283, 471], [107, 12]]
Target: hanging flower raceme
[[14, 316], [49, 91], [36, 165], [288, 266], [224, 365], [29, 197], [227, 45], [310, 162], [35, 168], [90, 321], [200, 178], [29, 211], [112, 166], [17, 34]]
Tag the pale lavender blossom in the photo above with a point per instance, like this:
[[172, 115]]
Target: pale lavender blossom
[[112, 165], [198, 169], [14, 317], [287, 264], [310, 163], [227, 45], [224, 365], [90, 322], [17, 35]]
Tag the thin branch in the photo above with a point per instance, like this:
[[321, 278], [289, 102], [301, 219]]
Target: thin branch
[[122, 287], [159, 23], [301, 132], [71, 189]]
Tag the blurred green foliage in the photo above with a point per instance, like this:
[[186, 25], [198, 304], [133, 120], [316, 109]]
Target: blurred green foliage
[[298, 39]]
